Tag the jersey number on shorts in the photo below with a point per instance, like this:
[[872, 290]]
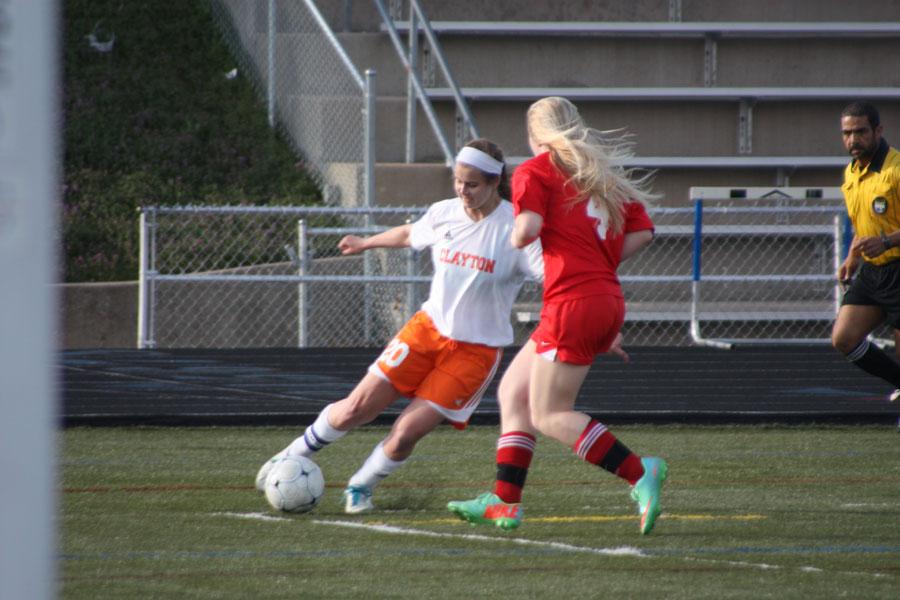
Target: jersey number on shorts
[[395, 353]]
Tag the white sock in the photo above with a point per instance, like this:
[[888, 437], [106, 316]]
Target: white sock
[[317, 436], [377, 467]]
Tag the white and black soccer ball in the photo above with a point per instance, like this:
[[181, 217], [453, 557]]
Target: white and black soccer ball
[[295, 484]]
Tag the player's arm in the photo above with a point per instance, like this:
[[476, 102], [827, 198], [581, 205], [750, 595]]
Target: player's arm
[[635, 241], [526, 228], [396, 237], [848, 267], [872, 246]]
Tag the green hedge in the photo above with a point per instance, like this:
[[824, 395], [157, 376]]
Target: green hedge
[[156, 121]]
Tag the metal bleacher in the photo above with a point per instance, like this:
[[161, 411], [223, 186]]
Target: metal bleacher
[[746, 97], [747, 81]]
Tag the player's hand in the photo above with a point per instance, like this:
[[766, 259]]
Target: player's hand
[[351, 244], [871, 246], [845, 271], [617, 349]]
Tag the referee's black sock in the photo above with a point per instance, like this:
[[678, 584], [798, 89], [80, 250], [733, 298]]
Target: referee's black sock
[[871, 359]]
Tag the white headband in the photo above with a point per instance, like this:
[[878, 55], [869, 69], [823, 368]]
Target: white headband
[[480, 160]]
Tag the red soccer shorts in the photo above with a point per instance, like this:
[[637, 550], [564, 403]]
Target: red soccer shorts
[[575, 331]]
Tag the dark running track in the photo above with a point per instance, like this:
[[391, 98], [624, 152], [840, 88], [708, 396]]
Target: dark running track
[[753, 384]]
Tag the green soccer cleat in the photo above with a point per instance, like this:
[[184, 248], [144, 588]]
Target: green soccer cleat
[[488, 508], [647, 490]]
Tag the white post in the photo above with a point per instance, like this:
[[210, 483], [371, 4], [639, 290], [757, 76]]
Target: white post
[[142, 281], [369, 192], [411, 105], [411, 300], [302, 291], [838, 243], [149, 274], [29, 198]]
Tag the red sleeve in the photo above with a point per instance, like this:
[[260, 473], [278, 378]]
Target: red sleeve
[[528, 190], [636, 218]]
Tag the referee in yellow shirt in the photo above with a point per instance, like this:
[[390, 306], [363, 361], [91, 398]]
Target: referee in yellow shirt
[[872, 194]]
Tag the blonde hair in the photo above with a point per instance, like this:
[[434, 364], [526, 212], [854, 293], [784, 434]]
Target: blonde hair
[[592, 159]]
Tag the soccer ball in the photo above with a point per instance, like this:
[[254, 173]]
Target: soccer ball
[[295, 485]]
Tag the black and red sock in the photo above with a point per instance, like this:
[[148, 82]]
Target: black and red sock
[[514, 452], [599, 447]]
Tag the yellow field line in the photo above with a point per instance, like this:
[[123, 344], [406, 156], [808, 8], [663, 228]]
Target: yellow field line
[[611, 518]]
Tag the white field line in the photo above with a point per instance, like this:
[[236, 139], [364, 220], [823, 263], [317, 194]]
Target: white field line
[[620, 551], [251, 516]]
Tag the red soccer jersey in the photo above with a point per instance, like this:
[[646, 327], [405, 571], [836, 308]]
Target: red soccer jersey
[[578, 262]]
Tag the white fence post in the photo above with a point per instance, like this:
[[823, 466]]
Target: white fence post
[[302, 291]]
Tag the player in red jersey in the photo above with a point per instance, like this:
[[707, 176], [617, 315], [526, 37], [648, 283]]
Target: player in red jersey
[[589, 215]]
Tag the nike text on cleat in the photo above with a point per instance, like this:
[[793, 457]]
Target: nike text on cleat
[[358, 499], [647, 490], [263, 472], [488, 508]]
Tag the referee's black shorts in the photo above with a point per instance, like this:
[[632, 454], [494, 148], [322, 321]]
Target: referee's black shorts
[[877, 285]]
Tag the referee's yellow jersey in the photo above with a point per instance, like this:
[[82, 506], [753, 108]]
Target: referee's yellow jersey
[[872, 196]]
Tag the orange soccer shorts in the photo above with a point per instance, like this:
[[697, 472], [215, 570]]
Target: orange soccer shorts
[[421, 363], [575, 331]]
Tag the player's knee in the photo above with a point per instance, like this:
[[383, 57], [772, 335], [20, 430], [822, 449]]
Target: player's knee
[[842, 342], [545, 422]]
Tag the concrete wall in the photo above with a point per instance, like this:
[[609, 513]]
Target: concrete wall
[[98, 315]]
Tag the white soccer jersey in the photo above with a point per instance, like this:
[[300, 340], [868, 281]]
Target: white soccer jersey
[[477, 271]]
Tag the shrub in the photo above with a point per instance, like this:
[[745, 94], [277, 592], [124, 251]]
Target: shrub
[[155, 121]]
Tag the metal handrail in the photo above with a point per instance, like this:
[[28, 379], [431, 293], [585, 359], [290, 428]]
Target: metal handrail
[[461, 103], [332, 39], [416, 82]]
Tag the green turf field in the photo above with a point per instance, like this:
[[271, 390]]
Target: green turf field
[[749, 512]]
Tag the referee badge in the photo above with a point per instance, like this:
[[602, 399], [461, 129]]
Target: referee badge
[[879, 205]]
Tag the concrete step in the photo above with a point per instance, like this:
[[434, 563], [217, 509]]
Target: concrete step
[[416, 184], [497, 61], [685, 129], [522, 61]]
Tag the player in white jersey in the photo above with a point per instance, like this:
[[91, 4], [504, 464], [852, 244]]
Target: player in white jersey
[[445, 356]]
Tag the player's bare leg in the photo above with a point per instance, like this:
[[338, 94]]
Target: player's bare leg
[[850, 337], [515, 449], [367, 400], [415, 422], [553, 391]]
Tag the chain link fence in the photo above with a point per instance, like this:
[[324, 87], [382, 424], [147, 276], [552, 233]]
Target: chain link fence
[[719, 272], [321, 103], [223, 277], [764, 264]]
